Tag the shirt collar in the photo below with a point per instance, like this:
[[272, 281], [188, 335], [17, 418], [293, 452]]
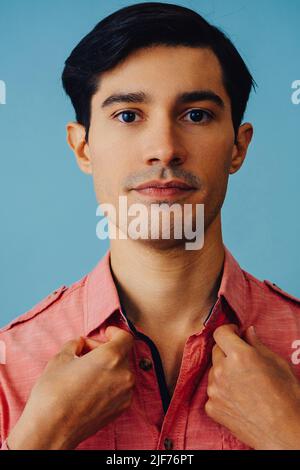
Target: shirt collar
[[102, 299], [233, 287], [101, 295]]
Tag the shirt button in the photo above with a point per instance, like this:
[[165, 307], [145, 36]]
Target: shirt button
[[145, 364], [168, 443], [53, 293], [275, 285]]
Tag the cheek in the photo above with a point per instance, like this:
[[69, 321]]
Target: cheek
[[108, 171], [214, 155], [102, 169], [219, 144], [214, 158]]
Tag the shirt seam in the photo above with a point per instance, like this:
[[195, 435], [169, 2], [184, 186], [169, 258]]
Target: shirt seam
[[48, 307]]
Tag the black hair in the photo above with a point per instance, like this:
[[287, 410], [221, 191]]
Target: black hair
[[144, 25]]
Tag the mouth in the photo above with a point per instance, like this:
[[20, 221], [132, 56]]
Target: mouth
[[168, 189]]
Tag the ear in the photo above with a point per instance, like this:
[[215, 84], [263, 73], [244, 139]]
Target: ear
[[240, 148], [77, 142]]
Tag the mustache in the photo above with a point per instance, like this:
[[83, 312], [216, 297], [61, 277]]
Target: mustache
[[162, 174]]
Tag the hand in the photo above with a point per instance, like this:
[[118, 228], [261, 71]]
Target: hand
[[253, 392], [83, 387]]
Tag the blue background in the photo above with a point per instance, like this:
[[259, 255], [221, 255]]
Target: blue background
[[48, 207]]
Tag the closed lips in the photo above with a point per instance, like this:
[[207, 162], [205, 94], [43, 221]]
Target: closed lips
[[170, 184]]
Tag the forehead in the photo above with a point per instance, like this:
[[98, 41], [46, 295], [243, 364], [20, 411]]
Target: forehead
[[165, 71]]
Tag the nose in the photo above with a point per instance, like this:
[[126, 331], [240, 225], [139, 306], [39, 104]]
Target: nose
[[163, 144]]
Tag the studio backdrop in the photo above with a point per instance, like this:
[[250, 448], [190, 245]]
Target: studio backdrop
[[48, 207]]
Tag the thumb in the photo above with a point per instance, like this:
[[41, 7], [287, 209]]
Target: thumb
[[89, 345], [73, 347], [119, 338], [111, 332], [252, 338], [114, 333]]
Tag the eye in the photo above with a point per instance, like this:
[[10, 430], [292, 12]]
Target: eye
[[127, 116], [199, 116]]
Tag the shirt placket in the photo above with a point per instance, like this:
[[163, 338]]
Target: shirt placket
[[170, 418], [193, 366], [196, 359]]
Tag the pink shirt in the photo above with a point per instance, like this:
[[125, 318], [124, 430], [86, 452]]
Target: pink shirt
[[91, 304]]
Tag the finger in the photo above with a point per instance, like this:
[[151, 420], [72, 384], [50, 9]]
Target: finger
[[251, 337], [217, 354], [227, 338], [112, 331], [253, 340], [90, 344], [73, 347], [120, 339], [210, 377]]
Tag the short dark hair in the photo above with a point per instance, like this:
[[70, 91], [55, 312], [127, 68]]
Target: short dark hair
[[143, 25]]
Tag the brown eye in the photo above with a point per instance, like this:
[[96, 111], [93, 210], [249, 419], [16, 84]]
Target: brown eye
[[199, 115], [127, 116]]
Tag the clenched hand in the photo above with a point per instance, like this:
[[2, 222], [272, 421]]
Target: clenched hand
[[83, 387], [253, 392]]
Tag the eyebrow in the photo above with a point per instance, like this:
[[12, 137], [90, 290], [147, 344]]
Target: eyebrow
[[182, 98]]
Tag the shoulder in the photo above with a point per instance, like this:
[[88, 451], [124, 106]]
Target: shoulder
[[280, 292], [53, 300], [271, 290]]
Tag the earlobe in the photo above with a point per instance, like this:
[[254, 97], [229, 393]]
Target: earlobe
[[243, 140], [77, 143]]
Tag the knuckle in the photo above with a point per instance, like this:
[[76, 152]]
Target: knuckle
[[130, 379], [209, 408], [247, 356], [236, 357], [127, 380], [211, 391], [217, 373]]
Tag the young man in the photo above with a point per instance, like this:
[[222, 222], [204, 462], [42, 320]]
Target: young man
[[155, 348]]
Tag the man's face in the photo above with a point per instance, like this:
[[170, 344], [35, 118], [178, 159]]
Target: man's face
[[164, 137]]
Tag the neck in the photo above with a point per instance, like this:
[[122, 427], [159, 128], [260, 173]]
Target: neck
[[168, 287]]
